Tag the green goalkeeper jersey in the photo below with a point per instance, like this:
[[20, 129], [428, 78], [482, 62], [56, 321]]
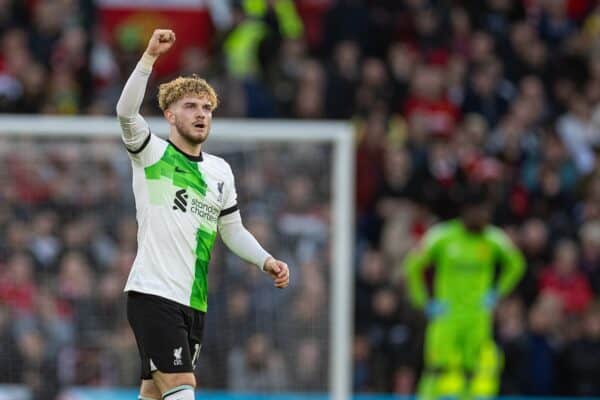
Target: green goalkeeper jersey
[[465, 265]]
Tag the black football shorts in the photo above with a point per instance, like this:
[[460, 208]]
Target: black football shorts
[[168, 334]]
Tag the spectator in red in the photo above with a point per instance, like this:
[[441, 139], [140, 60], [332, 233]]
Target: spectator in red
[[17, 288], [429, 99], [564, 280], [369, 161]]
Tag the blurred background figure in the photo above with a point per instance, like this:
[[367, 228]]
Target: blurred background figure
[[461, 358]]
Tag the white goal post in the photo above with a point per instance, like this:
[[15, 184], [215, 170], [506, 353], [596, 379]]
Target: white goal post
[[339, 134]]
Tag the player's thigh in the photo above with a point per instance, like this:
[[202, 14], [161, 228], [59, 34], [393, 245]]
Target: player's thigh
[[478, 342], [167, 381], [441, 350], [148, 389]]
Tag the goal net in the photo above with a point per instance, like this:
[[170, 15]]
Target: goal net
[[69, 239]]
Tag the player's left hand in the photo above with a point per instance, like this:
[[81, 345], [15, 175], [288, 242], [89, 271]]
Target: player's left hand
[[279, 271], [490, 300], [435, 309]]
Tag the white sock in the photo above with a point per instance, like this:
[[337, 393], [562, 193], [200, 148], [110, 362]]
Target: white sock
[[183, 392], [140, 397]]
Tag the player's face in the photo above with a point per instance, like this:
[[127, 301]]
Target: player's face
[[192, 117], [476, 217]]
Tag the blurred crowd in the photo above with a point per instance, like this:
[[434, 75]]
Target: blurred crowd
[[500, 92]]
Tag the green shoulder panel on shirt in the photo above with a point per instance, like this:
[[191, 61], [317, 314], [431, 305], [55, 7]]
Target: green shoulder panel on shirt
[[176, 169], [498, 237]]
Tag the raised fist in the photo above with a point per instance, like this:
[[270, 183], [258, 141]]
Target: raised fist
[[160, 42]]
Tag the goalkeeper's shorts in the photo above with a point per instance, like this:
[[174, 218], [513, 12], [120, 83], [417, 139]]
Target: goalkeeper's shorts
[[168, 334]]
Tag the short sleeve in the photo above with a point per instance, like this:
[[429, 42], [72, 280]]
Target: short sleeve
[[230, 204], [149, 152]]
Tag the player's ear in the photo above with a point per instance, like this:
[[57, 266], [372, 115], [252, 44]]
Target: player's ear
[[169, 115]]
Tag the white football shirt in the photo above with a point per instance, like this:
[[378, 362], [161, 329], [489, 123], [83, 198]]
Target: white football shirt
[[179, 199]]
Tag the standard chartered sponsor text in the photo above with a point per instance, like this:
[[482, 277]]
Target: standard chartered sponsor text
[[205, 211]]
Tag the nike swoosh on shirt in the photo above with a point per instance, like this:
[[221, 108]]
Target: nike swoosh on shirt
[[177, 169]]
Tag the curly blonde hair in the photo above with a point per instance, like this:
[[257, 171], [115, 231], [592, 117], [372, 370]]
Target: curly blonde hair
[[170, 92]]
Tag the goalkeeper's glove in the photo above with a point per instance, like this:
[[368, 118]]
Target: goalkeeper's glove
[[490, 300], [435, 308]]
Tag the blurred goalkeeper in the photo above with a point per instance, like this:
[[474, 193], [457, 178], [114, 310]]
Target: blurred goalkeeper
[[461, 358], [183, 197]]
